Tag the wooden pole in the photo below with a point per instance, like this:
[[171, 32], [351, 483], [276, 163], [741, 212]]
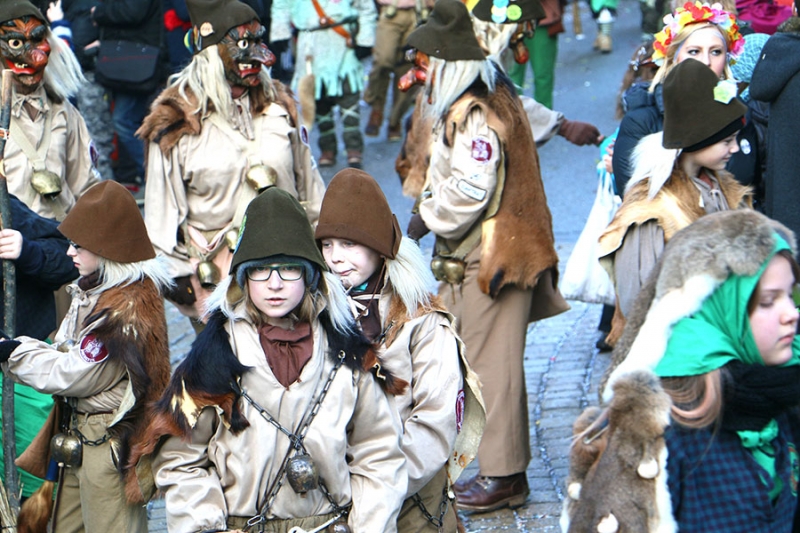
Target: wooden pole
[[11, 493]]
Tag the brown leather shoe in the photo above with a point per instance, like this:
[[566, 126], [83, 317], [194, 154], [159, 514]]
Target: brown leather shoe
[[326, 159], [484, 494], [354, 158], [374, 124]]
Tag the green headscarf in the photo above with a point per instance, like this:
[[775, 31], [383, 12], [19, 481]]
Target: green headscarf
[[720, 331]]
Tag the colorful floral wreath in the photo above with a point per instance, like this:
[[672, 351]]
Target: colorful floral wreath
[[693, 13]]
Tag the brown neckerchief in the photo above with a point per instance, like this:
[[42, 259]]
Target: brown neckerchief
[[287, 350], [90, 281], [368, 296]]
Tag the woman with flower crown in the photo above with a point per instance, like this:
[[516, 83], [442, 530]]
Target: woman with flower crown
[[703, 32]]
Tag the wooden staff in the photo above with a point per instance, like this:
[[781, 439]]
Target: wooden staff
[[11, 499], [577, 26]]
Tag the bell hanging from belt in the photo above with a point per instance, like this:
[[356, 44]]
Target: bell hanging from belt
[[46, 183], [66, 450], [390, 11], [231, 239], [260, 177], [437, 267], [340, 526], [454, 271], [301, 471], [208, 274]]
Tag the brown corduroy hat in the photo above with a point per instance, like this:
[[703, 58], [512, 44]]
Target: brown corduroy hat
[[107, 222], [211, 19], [275, 224], [447, 34], [355, 208], [693, 117], [14, 9], [508, 11]]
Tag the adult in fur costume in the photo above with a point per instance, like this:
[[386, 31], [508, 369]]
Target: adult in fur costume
[[291, 390], [441, 413], [109, 361], [679, 177], [49, 157], [495, 38], [219, 133], [717, 326], [494, 252]]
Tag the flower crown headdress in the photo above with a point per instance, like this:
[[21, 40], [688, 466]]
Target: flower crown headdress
[[693, 13]]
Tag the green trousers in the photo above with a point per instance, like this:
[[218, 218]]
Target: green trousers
[[543, 50]]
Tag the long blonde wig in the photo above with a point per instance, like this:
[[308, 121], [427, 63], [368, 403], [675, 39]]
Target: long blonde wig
[[678, 42]]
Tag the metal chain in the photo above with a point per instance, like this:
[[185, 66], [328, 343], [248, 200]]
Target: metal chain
[[82, 437], [437, 522], [296, 442]]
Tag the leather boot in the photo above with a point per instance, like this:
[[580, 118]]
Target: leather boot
[[374, 124], [483, 494]]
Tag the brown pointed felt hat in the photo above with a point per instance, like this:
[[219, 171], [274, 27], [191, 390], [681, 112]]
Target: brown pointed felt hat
[[448, 33], [355, 208], [697, 113], [14, 9], [508, 11], [211, 19], [107, 222]]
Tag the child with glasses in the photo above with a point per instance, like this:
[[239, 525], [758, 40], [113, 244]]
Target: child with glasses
[[276, 419]]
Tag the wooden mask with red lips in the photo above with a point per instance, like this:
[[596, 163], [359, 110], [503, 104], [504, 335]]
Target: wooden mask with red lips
[[25, 49], [243, 53]]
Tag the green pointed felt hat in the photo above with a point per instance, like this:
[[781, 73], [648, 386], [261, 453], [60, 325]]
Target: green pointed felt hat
[[448, 33], [14, 9], [211, 19]]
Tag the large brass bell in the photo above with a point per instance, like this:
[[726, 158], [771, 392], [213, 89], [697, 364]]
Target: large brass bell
[[453, 271], [46, 183], [437, 267], [301, 471], [231, 239], [66, 450], [208, 274], [390, 11], [260, 177]]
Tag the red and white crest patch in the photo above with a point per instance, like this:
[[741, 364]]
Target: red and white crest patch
[[481, 149], [93, 350], [460, 403]]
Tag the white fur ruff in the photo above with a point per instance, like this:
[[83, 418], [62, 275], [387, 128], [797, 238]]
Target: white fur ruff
[[652, 161]]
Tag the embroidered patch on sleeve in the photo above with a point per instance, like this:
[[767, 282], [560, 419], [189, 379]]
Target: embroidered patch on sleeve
[[460, 403], [476, 193], [93, 350], [93, 153], [304, 135], [481, 149]]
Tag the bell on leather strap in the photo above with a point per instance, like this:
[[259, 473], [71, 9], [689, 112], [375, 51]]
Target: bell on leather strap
[[66, 450], [340, 527], [390, 11], [208, 275], [437, 267], [453, 271], [301, 471], [423, 15], [46, 183], [231, 239], [260, 177]]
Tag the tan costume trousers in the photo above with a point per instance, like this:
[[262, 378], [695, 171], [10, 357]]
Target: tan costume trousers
[[493, 331], [91, 497], [387, 61], [411, 519], [280, 526]]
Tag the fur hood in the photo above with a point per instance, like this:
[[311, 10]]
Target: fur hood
[[696, 261]]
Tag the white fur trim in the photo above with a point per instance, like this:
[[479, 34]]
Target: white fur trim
[[564, 519], [411, 275], [574, 490], [651, 342], [608, 524], [650, 160], [665, 522], [648, 468]]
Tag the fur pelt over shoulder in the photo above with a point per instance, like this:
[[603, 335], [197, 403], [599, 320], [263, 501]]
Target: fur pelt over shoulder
[[172, 116], [193, 387], [696, 261], [632, 464], [132, 326]]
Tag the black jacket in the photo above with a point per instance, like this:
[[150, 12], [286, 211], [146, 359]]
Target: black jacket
[[77, 12], [776, 80], [42, 267]]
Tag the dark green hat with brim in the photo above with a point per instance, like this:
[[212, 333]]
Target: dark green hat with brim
[[508, 11], [275, 224], [448, 33], [699, 108], [14, 9], [211, 19]]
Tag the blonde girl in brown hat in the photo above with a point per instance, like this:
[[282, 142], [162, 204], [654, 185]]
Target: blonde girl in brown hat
[[388, 283], [108, 361]]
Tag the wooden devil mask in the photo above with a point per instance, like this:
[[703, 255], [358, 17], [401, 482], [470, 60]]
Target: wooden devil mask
[[25, 49]]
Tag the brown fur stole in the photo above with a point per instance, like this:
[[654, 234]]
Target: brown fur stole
[[193, 387], [133, 328], [398, 315], [517, 243], [172, 116], [412, 162]]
